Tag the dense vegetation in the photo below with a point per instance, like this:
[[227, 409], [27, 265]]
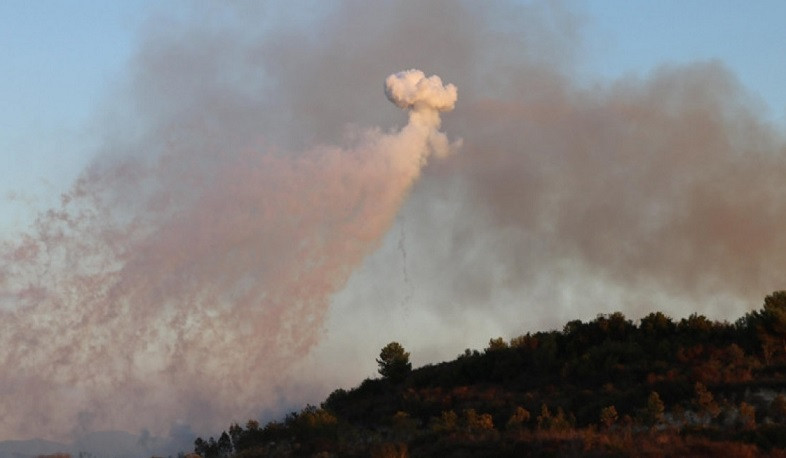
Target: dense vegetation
[[609, 386]]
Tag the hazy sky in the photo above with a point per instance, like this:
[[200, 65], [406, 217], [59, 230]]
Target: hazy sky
[[60, 59], [216, 213]]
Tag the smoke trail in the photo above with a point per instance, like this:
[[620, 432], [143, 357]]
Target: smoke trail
[[179, 300], [402, 248]]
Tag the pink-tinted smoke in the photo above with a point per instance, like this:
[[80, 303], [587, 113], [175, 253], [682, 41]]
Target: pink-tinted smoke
[[570, 197], [157, 294]]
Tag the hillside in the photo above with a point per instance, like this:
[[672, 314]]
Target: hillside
[[658, 387]]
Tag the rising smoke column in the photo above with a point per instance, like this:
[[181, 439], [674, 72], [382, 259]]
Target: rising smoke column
[[572, 196], [157, 294]]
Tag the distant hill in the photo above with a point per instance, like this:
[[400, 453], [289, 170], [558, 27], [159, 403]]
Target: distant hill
[[101, 444], [116, 444], [31, 448], [609, 386]]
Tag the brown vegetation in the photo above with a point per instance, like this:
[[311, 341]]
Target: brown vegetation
[[605, 387]]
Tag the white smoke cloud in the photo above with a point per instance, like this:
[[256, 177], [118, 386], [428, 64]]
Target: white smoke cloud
[[424, 97], [412, 89]]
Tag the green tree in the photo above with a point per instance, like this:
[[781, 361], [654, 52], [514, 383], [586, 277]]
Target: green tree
[[404, 426], [447, 422], [207, 448], [705, 401], [526, 341], [518, 419], [774, 314], [778, 408], [558, 422], [394, 362], [235, 433], [653, 414], [747, 415], [497, 344], [252, 425], [562, 421], [544, 419], [314, 428], [475, 422], [608, 416], [224, 445], [695, 328], [657, 325]]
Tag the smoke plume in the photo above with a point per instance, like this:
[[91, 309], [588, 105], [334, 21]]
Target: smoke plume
[[218, 258], [156, 289]]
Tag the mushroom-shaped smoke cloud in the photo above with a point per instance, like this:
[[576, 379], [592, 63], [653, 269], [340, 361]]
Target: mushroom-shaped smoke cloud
[[412, 89], [425, 97]]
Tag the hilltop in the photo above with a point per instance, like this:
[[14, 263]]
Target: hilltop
[[609, 386]]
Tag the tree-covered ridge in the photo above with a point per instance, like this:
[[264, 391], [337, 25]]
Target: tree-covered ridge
[[608, 386]]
